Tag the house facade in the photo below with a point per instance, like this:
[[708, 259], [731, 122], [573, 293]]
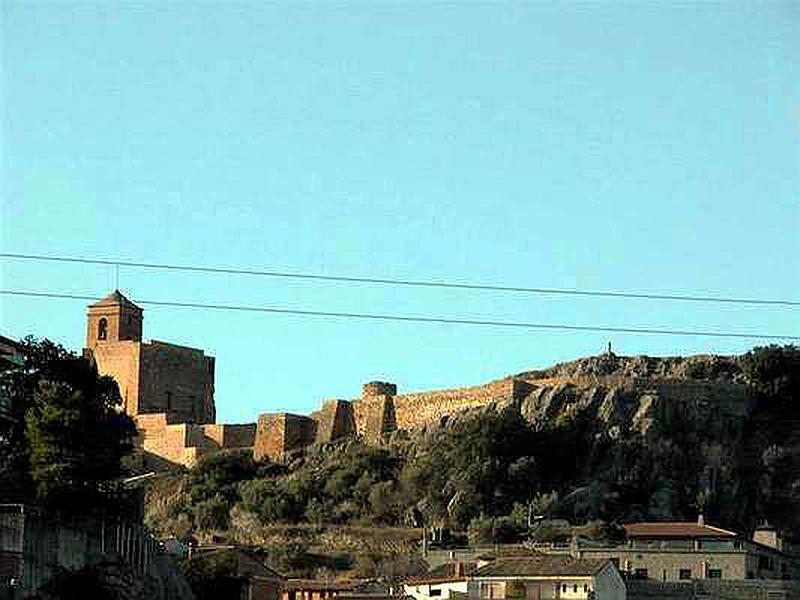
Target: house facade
[[686, 551], [547, 577], [446, 581]]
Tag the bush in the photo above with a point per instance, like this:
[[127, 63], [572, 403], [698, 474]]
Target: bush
[[212, 513]]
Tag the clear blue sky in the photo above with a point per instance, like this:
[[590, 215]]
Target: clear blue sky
[[647, 146]]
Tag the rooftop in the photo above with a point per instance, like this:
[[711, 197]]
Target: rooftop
[[541, 566], [676, 529], [445, 573], [115, 298]]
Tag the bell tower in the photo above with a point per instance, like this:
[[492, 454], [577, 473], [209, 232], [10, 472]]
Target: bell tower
[[113, 319]]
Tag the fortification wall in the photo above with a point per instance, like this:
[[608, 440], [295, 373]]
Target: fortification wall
[[176, 380], [231, 436], [279, 433], [121, 360], [419, 409], [334, 420]]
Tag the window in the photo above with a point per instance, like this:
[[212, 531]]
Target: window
[[436, 592], [640, 573], [169, 400], [575, 589], [564, 587], [102, 329], [684, 574], [715, 573]]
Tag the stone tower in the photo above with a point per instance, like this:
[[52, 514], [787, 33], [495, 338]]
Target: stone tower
[[153, 377], [113, 319]]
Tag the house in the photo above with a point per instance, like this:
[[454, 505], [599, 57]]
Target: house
[[257, 580], [685, 551], [547, 577], [443, 582], [323, 589]]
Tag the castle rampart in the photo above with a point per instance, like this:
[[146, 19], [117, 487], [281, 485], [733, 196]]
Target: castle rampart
[[169, 390], [334, 420], [277, 434]]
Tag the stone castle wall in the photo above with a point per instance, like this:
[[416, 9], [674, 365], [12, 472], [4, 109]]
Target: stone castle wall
[[419, 409], [280, 433], [334, 420], [176, 380], [120, 360], [184, 443]]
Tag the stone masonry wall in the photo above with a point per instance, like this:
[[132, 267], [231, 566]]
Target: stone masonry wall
[[334, 420], [279, 433], [377, 417], [231, 436], [176, 380], [418, 409], [120, 360]]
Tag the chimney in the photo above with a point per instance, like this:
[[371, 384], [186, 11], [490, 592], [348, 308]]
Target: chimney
[[700, 520]]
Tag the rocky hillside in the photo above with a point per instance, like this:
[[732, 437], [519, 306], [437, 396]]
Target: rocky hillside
[[605, 438]]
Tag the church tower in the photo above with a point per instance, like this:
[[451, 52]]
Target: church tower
[[113, 319]]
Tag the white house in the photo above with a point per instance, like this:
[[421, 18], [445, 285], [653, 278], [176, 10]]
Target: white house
[[546, 577], [442, 583]]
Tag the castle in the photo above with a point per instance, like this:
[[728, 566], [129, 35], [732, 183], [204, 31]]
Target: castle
[[169, 391], [166, 388]]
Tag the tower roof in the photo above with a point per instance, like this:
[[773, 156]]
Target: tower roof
[[115, 298]]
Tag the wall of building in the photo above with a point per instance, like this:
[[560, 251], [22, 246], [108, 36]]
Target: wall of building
[[122, 323], [665, 565], [176, 380], [757, 589], [121, 360]]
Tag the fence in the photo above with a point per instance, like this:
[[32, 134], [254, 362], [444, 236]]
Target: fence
[[34, 547]]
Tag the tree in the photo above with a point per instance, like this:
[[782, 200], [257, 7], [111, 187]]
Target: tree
[[70, 444]]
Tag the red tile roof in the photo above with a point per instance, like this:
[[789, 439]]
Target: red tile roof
[[675, 530], [443, 574], [541, 566]]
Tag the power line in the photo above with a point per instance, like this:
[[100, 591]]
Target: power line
[[404, 282], [418, 319]]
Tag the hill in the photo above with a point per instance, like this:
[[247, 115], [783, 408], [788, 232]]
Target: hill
[[606, 438]]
